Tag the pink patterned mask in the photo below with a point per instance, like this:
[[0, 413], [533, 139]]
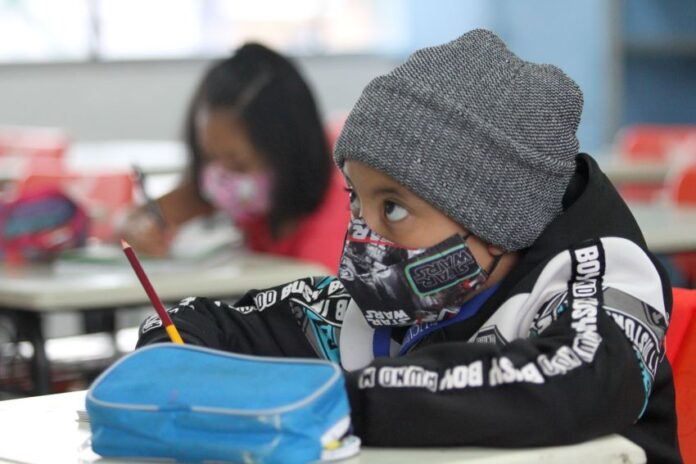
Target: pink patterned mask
[[242, 196]]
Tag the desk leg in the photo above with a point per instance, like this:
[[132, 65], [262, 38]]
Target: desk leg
[[30, 325]]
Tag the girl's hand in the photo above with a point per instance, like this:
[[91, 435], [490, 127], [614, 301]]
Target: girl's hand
[[145, 233]]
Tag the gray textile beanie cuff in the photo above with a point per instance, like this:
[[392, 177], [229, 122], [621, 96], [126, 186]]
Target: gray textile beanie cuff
[[485, 137]]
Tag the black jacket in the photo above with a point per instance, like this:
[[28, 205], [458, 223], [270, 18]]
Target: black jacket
[[568, 348]]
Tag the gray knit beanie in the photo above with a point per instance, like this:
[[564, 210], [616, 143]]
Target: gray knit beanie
[[485, 137]]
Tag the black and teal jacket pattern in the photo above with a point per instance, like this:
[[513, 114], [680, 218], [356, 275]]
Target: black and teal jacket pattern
[[568, 348]]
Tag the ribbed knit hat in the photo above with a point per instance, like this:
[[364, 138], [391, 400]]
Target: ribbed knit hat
[[485, 137]]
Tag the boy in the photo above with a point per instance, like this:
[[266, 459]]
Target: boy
[[494, 289]]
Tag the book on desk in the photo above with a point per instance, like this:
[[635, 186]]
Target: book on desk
[[207, 241]]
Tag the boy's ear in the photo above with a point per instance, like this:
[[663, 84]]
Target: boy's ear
[[495, 251]]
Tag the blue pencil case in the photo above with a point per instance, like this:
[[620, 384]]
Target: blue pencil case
[[196, 404]]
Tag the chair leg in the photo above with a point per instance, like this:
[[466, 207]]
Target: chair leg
[[99, 320], [30, 329]]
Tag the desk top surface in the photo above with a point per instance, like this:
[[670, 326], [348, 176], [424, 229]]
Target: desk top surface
[[44, 430], [169, 157], [41, 288], [622, 171], [151, 156], [667, 229]]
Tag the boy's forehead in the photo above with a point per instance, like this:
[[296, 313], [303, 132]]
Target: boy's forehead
[[358, 172]]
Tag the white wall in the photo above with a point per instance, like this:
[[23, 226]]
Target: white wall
[[146, 100]]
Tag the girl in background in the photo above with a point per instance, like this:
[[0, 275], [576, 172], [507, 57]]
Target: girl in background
[[258, 152]]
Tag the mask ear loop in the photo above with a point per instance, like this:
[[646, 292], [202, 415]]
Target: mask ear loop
[[496, 259]]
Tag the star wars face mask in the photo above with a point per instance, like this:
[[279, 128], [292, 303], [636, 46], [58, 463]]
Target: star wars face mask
[[395, 286]]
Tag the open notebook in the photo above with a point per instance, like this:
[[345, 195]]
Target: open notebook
[[207, 241]]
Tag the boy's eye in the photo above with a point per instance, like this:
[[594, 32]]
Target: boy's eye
[[394, 212]]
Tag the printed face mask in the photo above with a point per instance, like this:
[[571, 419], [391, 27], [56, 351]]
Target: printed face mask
[[242, 196], [395, 286]]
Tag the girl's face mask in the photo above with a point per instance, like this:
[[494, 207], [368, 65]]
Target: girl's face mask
[[242, 196], [395, 286]]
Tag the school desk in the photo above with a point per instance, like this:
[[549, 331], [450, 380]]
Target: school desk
[[28, 293], [621, 171], [169, 157], [667, 228], [31, 292], [44, 430], [153, 157]]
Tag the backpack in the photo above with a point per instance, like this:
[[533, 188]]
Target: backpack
[[38, 225]]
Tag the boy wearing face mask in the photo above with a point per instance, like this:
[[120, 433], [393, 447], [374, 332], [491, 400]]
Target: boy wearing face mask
[[494, 289]]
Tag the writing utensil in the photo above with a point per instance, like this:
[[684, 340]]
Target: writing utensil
[[151, 294], [150, 203]]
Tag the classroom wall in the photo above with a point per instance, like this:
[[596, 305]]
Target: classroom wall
[[578, 36], [634, 60], [136, 100], [658, 50], [146, 100]]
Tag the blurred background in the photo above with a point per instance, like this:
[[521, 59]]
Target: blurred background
[[90, 87], [124, 69]]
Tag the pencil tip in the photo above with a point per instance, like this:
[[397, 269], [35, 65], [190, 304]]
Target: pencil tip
[[124, 244]]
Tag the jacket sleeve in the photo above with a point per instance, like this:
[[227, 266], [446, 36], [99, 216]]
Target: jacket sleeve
[[585, 374], [297, 319]]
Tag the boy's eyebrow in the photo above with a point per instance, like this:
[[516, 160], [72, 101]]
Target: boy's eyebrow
[[386, 190]]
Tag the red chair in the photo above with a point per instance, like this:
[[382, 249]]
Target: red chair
[[24, 148], [653, 144], [684, 187], [680, 344], [333, 127], [683, 193], [33, 141], [103, 195]]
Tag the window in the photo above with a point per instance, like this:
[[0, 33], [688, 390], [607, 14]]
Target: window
[[44, 30], [48, 30]]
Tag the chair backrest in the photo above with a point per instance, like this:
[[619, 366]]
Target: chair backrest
[[22, 149], [333, 127], [644, 142], [684, 186], [681, 351], [673, 145], [33, 141], [683, 315], [682, 190]]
